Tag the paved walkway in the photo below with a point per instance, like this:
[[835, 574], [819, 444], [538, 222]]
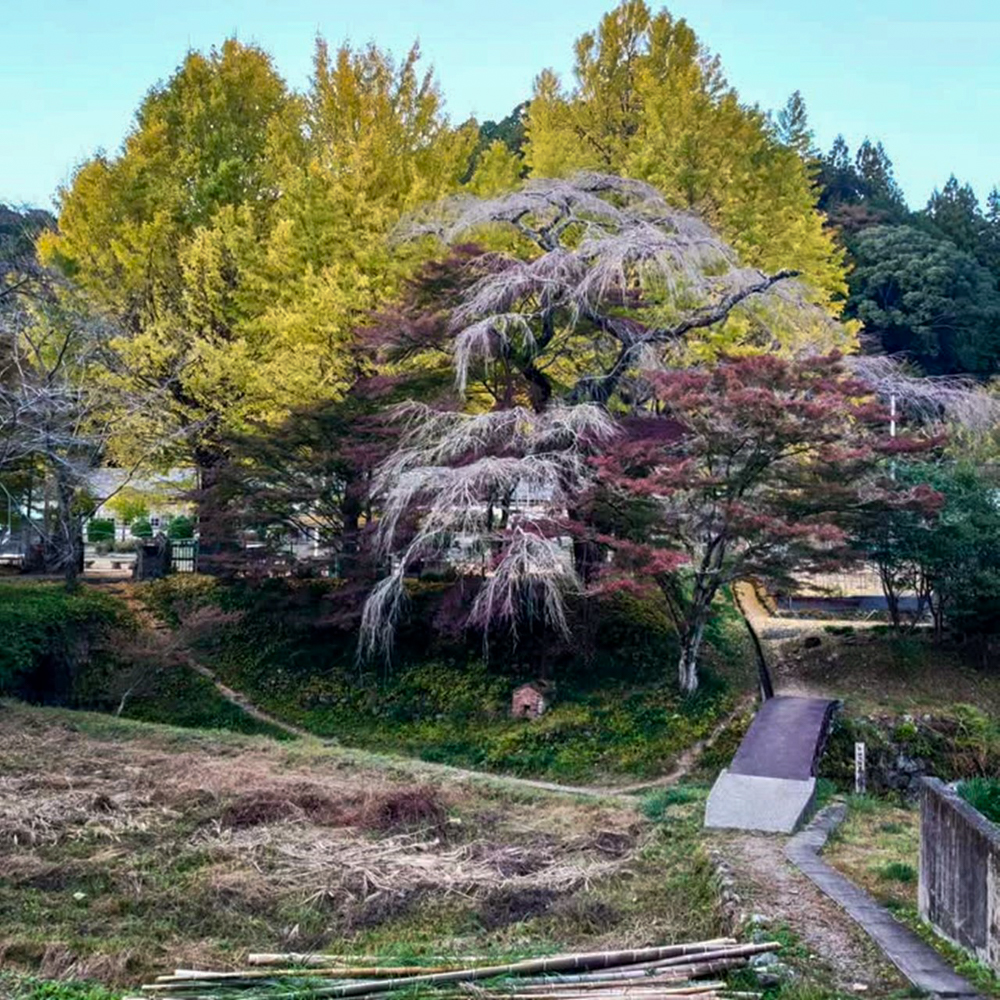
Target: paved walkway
[[920, 963], [770, 784], [785, 738]]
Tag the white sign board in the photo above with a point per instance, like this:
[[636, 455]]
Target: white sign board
[[859, 769]]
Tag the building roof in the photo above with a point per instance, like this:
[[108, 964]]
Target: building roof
[[170, 485]]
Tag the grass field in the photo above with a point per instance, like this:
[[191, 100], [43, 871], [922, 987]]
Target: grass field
[[128, 848], [617, 715], [874, 671]]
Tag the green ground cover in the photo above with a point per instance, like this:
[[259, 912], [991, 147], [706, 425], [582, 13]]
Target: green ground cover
[[878, 848], [617, 711]]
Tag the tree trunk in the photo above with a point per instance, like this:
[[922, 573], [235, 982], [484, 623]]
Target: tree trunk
[[217, 547], [350, 549], [70, 535], [687, 668], [937, 610], [890, 593]]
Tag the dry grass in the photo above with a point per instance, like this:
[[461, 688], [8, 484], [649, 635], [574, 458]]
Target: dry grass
[[875, 672], [126, 847]]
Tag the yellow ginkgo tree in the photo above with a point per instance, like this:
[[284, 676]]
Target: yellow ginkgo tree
[[651, 103], [243, 230]]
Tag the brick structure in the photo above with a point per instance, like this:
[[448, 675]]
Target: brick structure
[[531, 700]]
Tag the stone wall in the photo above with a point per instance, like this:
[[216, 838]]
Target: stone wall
[[959, 871]]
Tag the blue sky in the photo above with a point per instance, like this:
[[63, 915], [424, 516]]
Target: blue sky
[[922, 75]]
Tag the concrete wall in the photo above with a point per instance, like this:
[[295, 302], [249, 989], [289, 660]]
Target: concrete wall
[[959, 871]]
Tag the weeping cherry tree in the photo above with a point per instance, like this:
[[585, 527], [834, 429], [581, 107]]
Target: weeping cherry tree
[[570, 291]]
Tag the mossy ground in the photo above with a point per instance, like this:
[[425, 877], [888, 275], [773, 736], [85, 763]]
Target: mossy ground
[[617, 714]]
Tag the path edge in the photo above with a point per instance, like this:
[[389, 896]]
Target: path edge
[[919, 963]]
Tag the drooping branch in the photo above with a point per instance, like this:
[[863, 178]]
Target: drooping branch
[[603, 278], [928, 399], [610, 257]]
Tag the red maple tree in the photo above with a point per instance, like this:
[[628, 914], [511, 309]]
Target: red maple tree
[[750, 468]]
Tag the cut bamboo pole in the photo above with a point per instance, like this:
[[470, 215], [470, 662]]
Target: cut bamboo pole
[[653, 973], [645, 969], [245, 974], [313, 958], [374, 972], [591, 960], [688, 988], [673, 994]]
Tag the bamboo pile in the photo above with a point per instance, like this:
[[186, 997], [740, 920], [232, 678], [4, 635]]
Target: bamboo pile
[[667, 972]]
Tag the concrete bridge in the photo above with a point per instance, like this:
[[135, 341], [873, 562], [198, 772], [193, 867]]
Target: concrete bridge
[[771, 783]]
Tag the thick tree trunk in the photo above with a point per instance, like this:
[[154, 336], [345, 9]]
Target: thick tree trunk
[[687, 668], [217, 546]]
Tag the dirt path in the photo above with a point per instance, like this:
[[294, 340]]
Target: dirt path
[[685, 762], [775, 629], [776, 634], [773, 888]]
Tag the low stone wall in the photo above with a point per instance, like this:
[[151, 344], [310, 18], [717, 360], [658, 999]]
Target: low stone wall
[[959, 871]]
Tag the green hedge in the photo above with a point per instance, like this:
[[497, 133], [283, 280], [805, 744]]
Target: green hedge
[[141, 528], [180, 528], [49, 635], [100, 530]]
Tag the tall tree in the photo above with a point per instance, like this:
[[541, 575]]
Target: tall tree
[[242, 230], [859, 192], [651, 103], [741, 470], [877, 175], [600, 279], [954, 213], [56, 417], [792, 127], [165, 235], [922, 295]]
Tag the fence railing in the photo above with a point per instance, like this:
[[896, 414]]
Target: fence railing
[[959, 892], [184, 555]]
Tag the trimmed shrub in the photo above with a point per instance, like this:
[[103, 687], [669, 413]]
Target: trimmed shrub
[[100, 530], [142, 529], [180, 528]]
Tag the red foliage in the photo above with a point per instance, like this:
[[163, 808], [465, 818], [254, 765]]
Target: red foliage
[[751, 468]]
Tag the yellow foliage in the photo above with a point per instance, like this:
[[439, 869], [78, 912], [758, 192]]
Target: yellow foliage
[[498, 170], [243, 232], [651, 103]]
